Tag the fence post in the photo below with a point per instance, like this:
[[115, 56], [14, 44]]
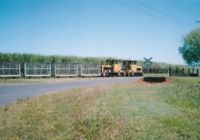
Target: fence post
[[197, 72], [3, 70], [183, 71], [50, 69], [19, 70], [10, 67], [35, 67], [188, 71], [55, 70], [25, 69], [81, 69], [169, 71]]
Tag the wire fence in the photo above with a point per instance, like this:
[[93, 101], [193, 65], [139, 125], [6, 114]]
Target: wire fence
[[175, 71], [10, 70], [37, 70], [90, 70], [64, 69], [184, 72], [156, 72]]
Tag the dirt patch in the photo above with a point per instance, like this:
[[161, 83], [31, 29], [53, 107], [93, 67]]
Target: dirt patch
[[141, 82]]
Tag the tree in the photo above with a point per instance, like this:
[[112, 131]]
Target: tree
[[190, 50]]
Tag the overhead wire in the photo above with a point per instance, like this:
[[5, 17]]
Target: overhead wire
[[159, 11], [155, 12], [132, 7]]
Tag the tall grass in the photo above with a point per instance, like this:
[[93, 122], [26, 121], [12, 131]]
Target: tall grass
[[23, 57]]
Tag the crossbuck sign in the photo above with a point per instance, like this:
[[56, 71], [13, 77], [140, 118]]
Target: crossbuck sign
[[148, 63]]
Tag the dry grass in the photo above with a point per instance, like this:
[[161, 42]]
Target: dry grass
[[131, 111]]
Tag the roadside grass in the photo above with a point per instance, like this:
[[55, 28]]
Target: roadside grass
[[38, 80], [25, 80], [138, 110]]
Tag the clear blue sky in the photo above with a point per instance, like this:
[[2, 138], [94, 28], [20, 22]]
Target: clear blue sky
[[118, 28]]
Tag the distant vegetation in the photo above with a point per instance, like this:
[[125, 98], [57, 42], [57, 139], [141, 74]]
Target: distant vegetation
[[35, 58], [23, 57]]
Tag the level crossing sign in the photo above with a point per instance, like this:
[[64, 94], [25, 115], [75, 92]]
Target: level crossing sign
[[147, 63]]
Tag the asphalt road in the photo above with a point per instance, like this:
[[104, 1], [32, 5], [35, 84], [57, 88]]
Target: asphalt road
[[11, 93]]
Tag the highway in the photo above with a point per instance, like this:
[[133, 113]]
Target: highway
[[10, 93]]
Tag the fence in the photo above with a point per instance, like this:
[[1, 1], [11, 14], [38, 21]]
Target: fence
[[63, 69], [90, 70], [175, 71], [184, 72], [10, 70], [37, 70], [156, 72]]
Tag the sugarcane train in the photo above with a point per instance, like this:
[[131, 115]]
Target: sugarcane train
[[112, 67]]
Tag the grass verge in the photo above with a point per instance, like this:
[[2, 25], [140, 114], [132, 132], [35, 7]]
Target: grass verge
[[139, 110], [39, 80]]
